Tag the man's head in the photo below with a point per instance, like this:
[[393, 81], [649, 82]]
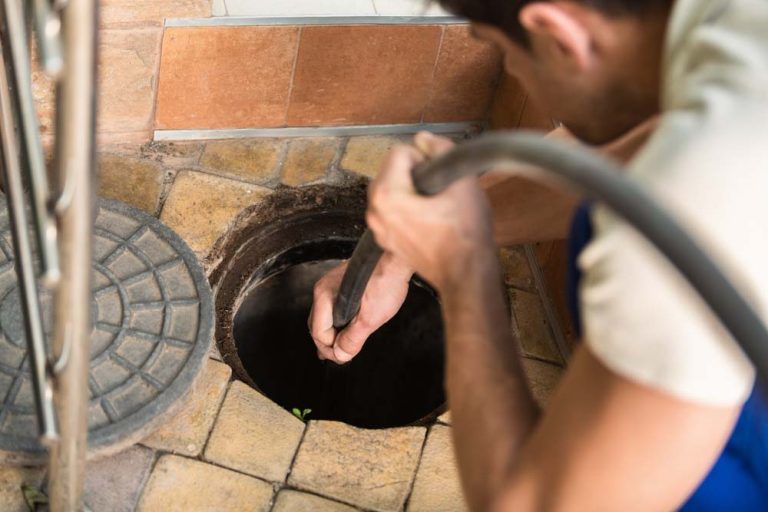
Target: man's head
[[592, 64]]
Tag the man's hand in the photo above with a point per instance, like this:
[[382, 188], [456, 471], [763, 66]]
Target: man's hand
[[383, 297], [439, 237]]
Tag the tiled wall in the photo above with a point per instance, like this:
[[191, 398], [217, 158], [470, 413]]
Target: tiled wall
[[323, 75], [153, 76], [327, 8]]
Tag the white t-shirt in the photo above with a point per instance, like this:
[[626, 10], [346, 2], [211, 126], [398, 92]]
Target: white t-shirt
[[708, 164]]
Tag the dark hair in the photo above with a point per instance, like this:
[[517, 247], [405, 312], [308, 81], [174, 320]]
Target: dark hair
[[504, 14]]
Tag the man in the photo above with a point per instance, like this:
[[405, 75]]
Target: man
[[658, 409]]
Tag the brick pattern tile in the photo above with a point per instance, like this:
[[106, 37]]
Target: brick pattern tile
[[131, 13], [508, 104], [251, 160], [295, 501], [533, 330], [181, 484], [128, 63], [11, 479], [173, 154], [372, 469], [542, 379], [363, 74], [364, 155], [465, 79], [308, 160], [437, 485], [225, 77], [534, 118], [188, 430], [254, 435], [517, 271], [115, 483], [200, 207], [131, 180]]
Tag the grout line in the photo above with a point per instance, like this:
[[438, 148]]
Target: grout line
[[539, 359], [156, 454], [211, 172], [216, 418], [240, 21], [418, 466], [165, 190], [554, 324], [521, 114], [284, 484], [156, 82], [432, 78], [289, 99], [312, 131]]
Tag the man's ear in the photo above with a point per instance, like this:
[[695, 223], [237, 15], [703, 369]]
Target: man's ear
[[568, 37]]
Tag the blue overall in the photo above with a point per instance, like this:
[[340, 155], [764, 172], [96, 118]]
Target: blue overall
[[739, 479]]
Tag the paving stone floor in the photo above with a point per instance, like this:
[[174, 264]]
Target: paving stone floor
[[231, 449]]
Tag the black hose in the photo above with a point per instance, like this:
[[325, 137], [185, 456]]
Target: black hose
[[597, 178]]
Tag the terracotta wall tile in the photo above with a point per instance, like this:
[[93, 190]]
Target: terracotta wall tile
[[465, 79], [225, 77], [126, 13], [508, 104], [363, 74], [128, 62], [534, 117]]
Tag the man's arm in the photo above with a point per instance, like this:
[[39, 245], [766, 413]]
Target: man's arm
[[604, 443]]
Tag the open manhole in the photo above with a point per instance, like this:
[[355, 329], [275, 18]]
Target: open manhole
[[267, 266]]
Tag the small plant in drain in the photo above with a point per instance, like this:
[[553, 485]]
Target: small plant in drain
[[301, 414]]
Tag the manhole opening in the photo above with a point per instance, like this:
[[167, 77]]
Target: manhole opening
[[265, 295]]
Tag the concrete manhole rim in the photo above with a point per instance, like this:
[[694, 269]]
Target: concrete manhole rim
[[227, 251], [141, 422], [261, 221]]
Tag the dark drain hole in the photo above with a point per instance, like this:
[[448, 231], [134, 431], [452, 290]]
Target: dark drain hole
[[396, 380]]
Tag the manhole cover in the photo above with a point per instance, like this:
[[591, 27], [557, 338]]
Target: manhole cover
[[152, 320]]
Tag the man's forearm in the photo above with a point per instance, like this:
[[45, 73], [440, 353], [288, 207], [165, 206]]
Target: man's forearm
[[492, 409]]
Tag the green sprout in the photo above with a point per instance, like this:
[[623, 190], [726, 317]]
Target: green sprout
[[302, 415]]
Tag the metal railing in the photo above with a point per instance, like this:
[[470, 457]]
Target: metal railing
[[51, 223]]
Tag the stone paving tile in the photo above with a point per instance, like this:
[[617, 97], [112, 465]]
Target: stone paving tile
[[11, 479], [173, 154], [183, 485], [187, 431], [200, 207], [254, 435], [364, 155], [308, 160], [517, 271], [533, 329], [295, 501], [250, 160], [128, 61], [131, 180], [445, 418], [122, 13], [542, 379], [372, 469], [114, 484], [437, 486]]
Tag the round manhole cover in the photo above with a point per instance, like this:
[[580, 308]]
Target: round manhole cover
[[152, 322]]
